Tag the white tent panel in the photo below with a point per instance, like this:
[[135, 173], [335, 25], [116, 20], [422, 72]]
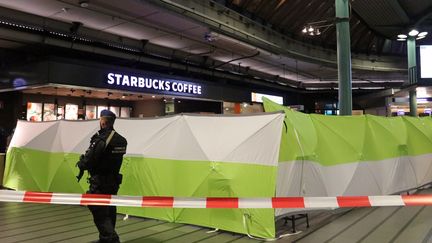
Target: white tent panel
[[337, 178], [75, 136], [143, 131], [401, 176], [41, 137], [363, 181], [422, 168], [175, 141], [259, 146], [215, 136]]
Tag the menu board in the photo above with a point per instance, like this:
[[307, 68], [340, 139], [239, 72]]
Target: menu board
[[34, 111], [99, 109], [49, 112], [71, 112], [90, 112], [115, 110], [125, 112]]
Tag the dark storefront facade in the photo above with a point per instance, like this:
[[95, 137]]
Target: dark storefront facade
[[60, 88]]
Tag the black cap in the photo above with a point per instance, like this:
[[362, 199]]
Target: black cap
[[107, 113]]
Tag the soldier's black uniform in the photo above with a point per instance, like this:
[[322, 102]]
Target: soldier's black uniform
[[103, 160]]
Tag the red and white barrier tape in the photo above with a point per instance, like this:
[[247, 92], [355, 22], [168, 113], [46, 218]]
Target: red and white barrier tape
[[216, 202]]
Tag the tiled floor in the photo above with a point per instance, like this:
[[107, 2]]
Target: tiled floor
[[58, 223]]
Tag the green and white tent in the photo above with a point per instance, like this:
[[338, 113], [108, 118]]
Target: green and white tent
[[182, 156], [262, 155], [351, 155]]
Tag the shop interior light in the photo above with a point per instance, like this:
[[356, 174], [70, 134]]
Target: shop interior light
[[153, 96], [420, 37], [304, 30], [399, 39], [402, 36], [413, 32]]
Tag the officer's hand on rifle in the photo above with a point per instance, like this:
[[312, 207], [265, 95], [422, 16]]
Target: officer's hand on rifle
[[81, 166]]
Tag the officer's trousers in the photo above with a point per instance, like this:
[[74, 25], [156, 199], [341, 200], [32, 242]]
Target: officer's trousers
[[104, 217]]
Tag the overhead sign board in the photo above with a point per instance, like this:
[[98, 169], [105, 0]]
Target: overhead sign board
[[156, 84]]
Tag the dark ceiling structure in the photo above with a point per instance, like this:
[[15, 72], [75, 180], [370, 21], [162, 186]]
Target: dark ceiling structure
[[257, 42], [374, 24]]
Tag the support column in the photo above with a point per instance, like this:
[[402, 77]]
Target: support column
[[412, 63], [344, 56]]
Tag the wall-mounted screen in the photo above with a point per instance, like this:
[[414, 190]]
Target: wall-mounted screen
[[425, 61], [34, 111], [71, 112]]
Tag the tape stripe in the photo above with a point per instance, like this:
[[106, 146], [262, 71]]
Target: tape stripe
[[157, 202], [255, 203], [216, 202], [184, 202], [37, 197], [383, 201], [288, 202], [222, 202], [95, 199], [321, 202], [417, 200], [353, 201]]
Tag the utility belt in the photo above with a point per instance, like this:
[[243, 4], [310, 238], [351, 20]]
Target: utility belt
[[106, 179]]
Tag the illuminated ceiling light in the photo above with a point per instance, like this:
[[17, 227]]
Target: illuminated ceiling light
[[317, 32], [402, 36], [413, 33], [153, 96], [311, 29], [84, 4], [422, 34], [123, 96], [304, 30], [401, 39], [420, 37]]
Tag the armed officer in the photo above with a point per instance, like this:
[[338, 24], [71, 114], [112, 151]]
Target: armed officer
[[103, 160]]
